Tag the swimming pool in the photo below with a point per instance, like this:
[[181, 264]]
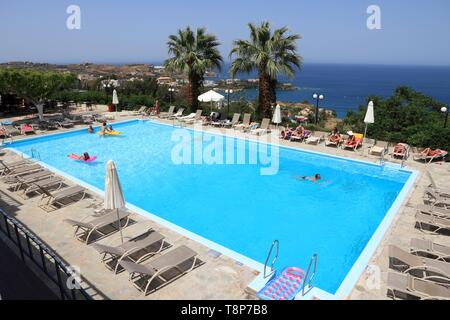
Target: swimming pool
[[235, 206]]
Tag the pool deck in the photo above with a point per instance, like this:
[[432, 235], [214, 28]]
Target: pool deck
[[220, 277]]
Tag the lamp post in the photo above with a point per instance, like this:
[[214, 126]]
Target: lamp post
[[171, 91], [317, 97], [228, 92], [446, 111]]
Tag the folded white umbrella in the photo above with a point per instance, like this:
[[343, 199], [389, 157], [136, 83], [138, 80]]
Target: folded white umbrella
[[277, 115], [115, 99], [114, 199], [370, 117]]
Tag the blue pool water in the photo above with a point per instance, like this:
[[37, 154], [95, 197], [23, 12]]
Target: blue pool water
[[234, 205]]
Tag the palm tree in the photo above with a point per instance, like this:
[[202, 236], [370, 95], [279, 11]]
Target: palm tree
[[193, 54], [271, 54]]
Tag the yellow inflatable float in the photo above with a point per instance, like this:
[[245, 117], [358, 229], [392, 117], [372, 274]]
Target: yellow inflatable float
[[110, 133]]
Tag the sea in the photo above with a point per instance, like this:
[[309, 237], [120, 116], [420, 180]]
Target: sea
[[346, 87]]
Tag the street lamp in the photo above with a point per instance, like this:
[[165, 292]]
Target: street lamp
[[445, 110], [171, 91], [318, 97], [228, 92]]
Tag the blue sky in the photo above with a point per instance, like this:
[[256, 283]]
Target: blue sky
[[134, 31]]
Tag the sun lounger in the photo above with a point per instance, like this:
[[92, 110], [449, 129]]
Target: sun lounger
[[409, 287], [401, 150], [13, 165], [263, 129], [51, 201], [192, 118], [333, 143], [18, 171], [380, 149], [135, 250], [441, 192], [435, 224], [434, 211], [234, 121], [419, 267], [317, 138], [177, 115], [354, 146], [19, 181], [102, 226], [141, 112], [300, 138], [26, 129], [65, 124], [162, 270], [53, 183], [440, 154], [429, 249], [164, 115], [245, 122], [227, 123], [435, 199]]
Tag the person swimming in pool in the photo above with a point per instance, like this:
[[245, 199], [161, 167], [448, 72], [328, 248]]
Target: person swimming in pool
[[314, 179], [90, 129]]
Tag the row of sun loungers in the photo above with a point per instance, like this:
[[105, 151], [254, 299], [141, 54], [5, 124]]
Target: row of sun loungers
[[424, 272], [160, 267], [29, 178]]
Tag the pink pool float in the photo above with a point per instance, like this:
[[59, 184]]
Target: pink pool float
[[284, 286]]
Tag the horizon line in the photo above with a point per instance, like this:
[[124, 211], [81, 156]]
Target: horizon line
[[159, 63]]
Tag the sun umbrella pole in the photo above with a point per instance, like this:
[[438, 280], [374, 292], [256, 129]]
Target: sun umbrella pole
[[120, 224], [365, 131]]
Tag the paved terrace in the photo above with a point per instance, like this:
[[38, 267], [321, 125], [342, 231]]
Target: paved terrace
[[220, 277]]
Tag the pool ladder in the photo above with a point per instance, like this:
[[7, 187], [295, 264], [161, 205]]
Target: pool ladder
[[309, 276], [276, 246], [35, 154]]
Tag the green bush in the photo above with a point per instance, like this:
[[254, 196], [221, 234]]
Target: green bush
[[408, 116]]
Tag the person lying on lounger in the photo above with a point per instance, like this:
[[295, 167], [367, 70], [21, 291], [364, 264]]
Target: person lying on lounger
[[299, 132], [335, 137], [351, 141], [428, 152]]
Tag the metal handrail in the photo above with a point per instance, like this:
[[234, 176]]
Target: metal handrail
[[275, 244], [44, 252], [308, 283]]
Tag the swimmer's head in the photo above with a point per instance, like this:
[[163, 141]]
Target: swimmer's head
[[318, 177]]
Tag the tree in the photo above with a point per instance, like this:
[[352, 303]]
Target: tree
[[193, 54], [35, 86], [408, 116], [271, 55]]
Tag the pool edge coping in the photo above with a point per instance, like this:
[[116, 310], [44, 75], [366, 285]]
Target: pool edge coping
[[352, 277]]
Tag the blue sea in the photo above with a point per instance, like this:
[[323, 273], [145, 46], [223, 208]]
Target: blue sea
[[346, 86]]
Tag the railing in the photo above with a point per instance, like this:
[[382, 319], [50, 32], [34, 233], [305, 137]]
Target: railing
[[307, 284], [37, 252], [276, 245]]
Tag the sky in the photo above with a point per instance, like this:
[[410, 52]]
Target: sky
[[413, 32]]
